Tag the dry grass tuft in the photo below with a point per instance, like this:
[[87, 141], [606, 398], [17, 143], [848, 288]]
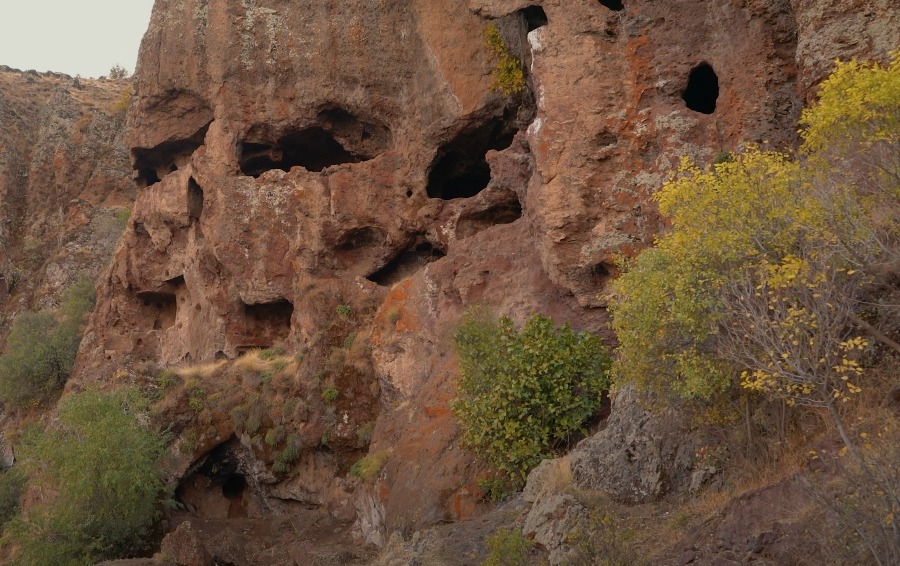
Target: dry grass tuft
[[201, 371]]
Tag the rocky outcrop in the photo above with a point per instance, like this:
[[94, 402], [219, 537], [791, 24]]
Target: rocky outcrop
[[642, 454], [65, 187], [346, 168]]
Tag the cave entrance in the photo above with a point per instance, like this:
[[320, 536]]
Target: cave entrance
[[152, 164], [335, 137], [614, 5], [460, 169], [160, 307], [267, 324], [470, 224], [233, 487], [313, 148], [217, 488], [406, 263], [535, 17], [702, 90]]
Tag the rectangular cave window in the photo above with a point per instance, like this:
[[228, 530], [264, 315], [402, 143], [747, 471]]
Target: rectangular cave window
[[160, 309], [267, 324]]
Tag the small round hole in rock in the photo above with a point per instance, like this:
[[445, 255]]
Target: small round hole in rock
[[535, 17], [702, 90]]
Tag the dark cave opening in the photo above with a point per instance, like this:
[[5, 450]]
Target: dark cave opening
[[460, 169], [702, 90], [162, 308], [152, 164], [406, 263], [195, 200], [535, 17], [313, 148], [233, 487], [217, 487], [614, 5], [335, 137]]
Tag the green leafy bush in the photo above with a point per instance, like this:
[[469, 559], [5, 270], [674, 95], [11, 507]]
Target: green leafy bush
[[41, 348], [99, 466], [523, 394]]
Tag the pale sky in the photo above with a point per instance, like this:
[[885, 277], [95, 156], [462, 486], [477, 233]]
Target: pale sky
[[77, 37]]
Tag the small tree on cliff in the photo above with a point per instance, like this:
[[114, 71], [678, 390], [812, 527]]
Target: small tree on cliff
[[41, 348], [769, 258], [770, 270]]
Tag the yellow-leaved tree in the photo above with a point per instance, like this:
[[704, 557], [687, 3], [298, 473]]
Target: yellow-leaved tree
[[778, 274]]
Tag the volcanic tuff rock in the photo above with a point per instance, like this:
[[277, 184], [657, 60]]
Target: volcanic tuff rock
[[64, 183], [345, 167]]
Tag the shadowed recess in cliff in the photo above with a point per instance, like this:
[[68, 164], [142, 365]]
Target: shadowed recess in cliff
[[217, 488], [160, 307], [152, 164], [460, 169], [614, 5], [535, 17], [359, 247], [338, 137], [406, 263], [266, 324], [195, 200], [702, 89], [471, 223]]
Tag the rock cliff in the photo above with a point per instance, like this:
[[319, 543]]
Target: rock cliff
[[65, 187], [347, 169], [337, 182]]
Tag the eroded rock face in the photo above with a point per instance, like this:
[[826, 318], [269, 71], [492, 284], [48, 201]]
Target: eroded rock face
[[65, 190], [351, 161], [641, 455]]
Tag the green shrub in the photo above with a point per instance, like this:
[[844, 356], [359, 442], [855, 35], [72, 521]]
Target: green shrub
[[601, 539], [523, 394], [368, 467], [41, 348], [99, 467], [330, 395], [274, 436], [507, 548], [509, 78], [118, 72]]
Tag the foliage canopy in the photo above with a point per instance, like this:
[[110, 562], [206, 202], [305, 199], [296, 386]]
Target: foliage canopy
[[41, 348], [524, 393], [101, 465], [769, 257]]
